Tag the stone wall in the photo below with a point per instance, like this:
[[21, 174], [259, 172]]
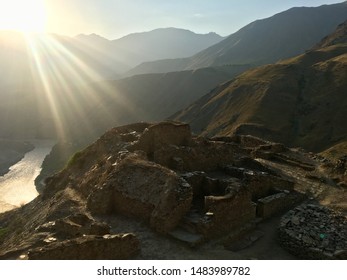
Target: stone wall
[[166, 133], [143, 189], [228, 212], [277, 203], [89, 247], [262, 184], [203, 157]]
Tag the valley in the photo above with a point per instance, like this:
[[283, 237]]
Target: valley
[[169, 144]]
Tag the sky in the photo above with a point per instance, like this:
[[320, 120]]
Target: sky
[[113, 19]]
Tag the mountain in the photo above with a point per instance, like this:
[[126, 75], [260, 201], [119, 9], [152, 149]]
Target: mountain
[[51, 81], [300, 101], [89, 57], [163, 43], [73, 111], [281, 36]]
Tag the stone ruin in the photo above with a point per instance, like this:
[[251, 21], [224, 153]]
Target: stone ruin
[[312, 231], [189, 188]]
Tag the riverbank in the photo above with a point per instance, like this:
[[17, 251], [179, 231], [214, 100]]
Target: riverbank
[[11, 152], [17, 187]]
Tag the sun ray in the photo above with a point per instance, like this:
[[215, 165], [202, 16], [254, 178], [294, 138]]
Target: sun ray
[[66, 81], [46, 86]]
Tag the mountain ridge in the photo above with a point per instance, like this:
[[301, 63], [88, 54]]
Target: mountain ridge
[[264, 41], [298, 101], [161, 43]]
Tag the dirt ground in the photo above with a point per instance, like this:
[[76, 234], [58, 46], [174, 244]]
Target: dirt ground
[[158, 247]]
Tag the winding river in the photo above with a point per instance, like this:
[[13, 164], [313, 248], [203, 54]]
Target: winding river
[[17, 187]]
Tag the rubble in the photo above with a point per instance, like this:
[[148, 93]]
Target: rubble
[[313, 231]]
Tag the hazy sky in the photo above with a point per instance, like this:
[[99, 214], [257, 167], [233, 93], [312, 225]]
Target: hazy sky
[[116, 18]]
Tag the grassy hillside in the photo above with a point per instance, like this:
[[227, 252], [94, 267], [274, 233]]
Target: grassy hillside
[[338, 37], [336, 152], [299, 101]]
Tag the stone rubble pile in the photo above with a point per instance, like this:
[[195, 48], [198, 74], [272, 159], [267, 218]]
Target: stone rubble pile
[[314, 232]]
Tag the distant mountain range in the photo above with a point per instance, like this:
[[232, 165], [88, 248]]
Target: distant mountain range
[[281, 36], [163, 43], [48, 83], [300, 101], [93, 57]]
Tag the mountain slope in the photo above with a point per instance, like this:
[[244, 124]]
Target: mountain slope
[[338, 37], [299, 102], [48, 83], [82, 111], [264, 41]]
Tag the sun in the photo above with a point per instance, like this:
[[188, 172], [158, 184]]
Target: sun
[[22, 15]]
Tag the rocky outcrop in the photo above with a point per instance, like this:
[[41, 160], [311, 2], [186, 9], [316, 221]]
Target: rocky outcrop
[[314, 232], [89, 247]]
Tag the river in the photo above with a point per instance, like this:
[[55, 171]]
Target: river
[[17, 187]]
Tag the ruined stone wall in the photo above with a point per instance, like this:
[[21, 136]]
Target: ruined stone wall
[[167, 133], [145, 190], [207, 157], [277, 203], [229, 212], [90, 247], [261, 185], [132, 207]]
